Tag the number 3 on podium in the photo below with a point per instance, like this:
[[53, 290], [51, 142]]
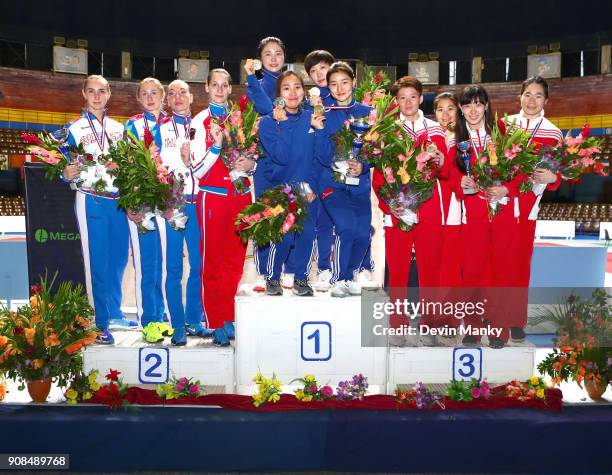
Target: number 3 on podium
[[467, 364], [153, 365], [316, 341]]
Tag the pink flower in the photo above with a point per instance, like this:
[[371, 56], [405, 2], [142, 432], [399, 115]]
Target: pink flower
[[288, 224], [475, 393], [422, 160], [347, 124], [194, 389], [372, 117], [401, 157], [312, 389], [588, 161], [327, 391], [367, 99], [389, 178], [183, 380], [235, 119], [513, 152], [179, 387], [50, 160]]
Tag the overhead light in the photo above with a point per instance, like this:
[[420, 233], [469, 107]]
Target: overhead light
[[554, 47], [59, 40], [413, 56], [433, 55], [183, 53], [204, 54], [423, 57], [194, 55], [71, 43], [83, 44]]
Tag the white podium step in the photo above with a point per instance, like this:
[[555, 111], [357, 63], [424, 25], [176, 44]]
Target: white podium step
[[439, 365], [143, 363], [294, 336]]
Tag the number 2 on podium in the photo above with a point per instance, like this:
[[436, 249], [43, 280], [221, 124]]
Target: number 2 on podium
[[153, 365], [316, 341]]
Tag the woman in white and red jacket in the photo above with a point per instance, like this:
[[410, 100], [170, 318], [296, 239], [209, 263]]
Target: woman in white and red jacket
[[473, 126], [533, 97], [427, 235], [218, 204]]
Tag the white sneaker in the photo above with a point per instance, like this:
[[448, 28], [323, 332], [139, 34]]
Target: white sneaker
[[322, 284], [366, 280], [352, 287], [339, 289], [287, 281]]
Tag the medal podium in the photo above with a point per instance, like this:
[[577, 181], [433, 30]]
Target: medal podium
[[294, 336]]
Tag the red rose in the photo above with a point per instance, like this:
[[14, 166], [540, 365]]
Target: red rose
[[242, 103], [292, 206]]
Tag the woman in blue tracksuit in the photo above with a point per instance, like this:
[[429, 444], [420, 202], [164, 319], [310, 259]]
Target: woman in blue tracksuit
[[288, 137], [261, 92], [348, 205]]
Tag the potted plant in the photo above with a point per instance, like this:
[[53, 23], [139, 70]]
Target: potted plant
[[583, 345], [40, 342]]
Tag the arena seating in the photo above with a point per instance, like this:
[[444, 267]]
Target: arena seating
[[12, 206]]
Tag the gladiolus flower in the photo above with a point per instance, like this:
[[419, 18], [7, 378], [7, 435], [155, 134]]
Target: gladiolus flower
[[389, 178], [30, 333], [586, 130], [52, 340], [242, 103], [31, 139], [288, 223]]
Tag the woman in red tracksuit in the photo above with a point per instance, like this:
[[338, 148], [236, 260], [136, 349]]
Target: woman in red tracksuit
[[533, 97], [473, 125], [219, 203], [427, 235]]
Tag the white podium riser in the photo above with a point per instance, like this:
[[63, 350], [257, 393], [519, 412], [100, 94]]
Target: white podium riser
[[443, 364], [294, 336]]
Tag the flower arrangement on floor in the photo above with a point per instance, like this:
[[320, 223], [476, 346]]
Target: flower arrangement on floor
[[41, 340], [420, 397], [268, 389], [279, 210], [179, 388], [145, 185], [504, 157], [467, 391], [573, 156], [311, 390], [533, 388], [583, 343], [83, 387], [3, 390], [356, 388], [241, 140], [113, 393]]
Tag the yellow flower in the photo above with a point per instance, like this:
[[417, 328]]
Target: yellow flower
[[278, 209], [87, 396], [309, 378], [257, 378], [275, 397], [535, 380], [307, 398], [30, 333], [94, 386], [71, 401], [540, 393], [404, 176], [71, 394], [299, 395], [38, 363], [492, 154], [93, 377]]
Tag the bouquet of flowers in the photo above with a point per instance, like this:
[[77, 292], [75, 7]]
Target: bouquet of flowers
[[278, 211], [533, 388], [409, 174], [573, 156], [56, 154], [83, 387], [356, 388], [146, 185], [372, 87], [312, 391], [241, 140], [583, 345], [112, 393], [503, 158], [420, 397], [469, 390], [179, 388], [268, 390], [42, 339]]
